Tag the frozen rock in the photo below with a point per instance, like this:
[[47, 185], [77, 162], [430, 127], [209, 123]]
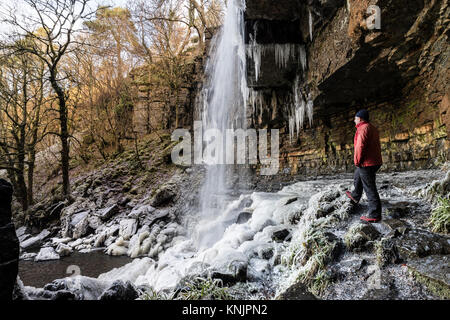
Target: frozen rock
[[107, 213], [135, 248], [118, 248], [243, 217], [78, 217], [100, 239], [258, 269], [24, 237], [80, 223], [280, 235], [21, 231], [119, 290], [141, 211], [47, 253], [109, 241], [358, 236], [63, 250], [28, 256], [75, 243], [128, 228], [57, 241], [35, 241], [82, 288], [94, 222]]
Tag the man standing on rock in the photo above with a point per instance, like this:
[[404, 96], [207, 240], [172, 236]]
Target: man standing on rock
[[9, 244], [368, 161]]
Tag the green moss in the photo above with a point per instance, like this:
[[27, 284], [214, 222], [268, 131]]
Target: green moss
[[436, 287]]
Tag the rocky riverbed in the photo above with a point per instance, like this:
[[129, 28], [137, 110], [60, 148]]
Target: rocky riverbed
[[300, 242]]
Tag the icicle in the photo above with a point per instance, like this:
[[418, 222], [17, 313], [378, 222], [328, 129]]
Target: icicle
[[291, 128], [299, 106], [310, 25], [310, 110], [302, 57]]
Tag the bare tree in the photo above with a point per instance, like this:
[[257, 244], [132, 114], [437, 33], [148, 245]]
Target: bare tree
[[56, 21], [21, 104]]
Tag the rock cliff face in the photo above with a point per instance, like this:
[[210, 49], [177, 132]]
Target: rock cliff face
[[399, 73]]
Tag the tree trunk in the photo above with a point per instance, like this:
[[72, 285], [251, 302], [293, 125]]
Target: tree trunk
[[64, 133]]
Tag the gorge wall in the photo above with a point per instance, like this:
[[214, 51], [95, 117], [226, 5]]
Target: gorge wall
[[400, 73], [313, 63]]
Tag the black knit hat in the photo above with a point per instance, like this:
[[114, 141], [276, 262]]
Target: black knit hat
[[363, 114]]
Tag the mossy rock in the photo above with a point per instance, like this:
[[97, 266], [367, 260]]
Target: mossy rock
[[434, 273], [386, 252], [360, 236]]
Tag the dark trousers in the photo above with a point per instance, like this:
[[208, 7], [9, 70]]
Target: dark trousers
[[365, 180]]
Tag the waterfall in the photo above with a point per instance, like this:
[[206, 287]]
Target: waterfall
[[225, 94]]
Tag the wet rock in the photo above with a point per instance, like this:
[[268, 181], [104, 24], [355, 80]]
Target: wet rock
[[128, 228], [291, 201], [325, 210], [358, 236], [109, 212], [351, 265], [243, 217], [155, 217], [434, 272], [55, 210], [280, 235], [387, 252], [397, 227], [163, 197], [297, 291], [421, 243], [36, 241], [120, 290], [47, 253], [399, 209], [140, 212]]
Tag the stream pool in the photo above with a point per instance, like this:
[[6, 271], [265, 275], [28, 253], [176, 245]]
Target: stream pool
[[38, 274]]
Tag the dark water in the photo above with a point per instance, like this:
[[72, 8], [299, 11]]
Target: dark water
[[38, 274]]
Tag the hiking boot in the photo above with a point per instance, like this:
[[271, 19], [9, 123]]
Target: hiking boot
[[349, 194], [371, 219]]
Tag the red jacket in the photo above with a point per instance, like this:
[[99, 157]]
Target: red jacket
[[367, 146]]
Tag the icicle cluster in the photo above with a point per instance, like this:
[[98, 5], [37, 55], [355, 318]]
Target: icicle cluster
[[300, 109], [283, 54]]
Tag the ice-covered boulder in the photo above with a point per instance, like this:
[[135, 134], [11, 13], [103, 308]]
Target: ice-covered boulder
[[128, 228], [36, 241], [63, 250], [47, 253]]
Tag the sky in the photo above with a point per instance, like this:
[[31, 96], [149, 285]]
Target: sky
[[22, 8]]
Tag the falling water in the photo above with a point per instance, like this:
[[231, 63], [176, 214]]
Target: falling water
[[225, 94]]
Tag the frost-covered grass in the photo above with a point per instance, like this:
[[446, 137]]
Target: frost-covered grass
[[192, 288], [440, 216], [199, 288], [313, 247]]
